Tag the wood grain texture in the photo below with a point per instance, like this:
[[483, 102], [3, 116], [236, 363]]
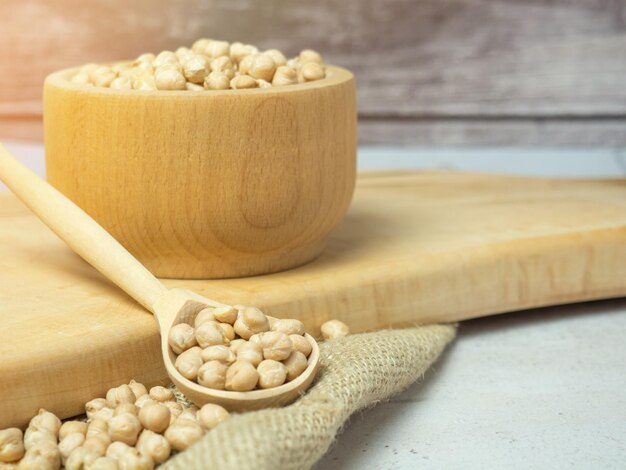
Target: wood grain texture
[[414, 247], [472, 58], [207, 185]]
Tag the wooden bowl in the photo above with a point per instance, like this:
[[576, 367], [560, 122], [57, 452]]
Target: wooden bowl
[[209, 184]]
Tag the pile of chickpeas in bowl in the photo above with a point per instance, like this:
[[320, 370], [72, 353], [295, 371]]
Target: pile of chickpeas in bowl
[[208, 65]]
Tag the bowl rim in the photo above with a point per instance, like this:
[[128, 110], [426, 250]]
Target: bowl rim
[[334, 76]]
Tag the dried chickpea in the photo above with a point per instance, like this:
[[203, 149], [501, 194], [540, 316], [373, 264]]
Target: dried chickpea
[[44, 456], [209, 333], [312, 71], [224, 65], [70, 427], [122, 83], [204, 315], [225, 314], [82, 78], [161, 394], [11, 445], [199, 46], [169, 79], [144, 81], [218, 353], [238, 51], [217, 81], [234, 344], [69, 443], [119, 395], [271, 373], [285, 76], [227, 331], [124, 428], [155, 417], [300, 343], [242, 82], [262, 67], [143, 401], [190, 413], [241, 376], [116, 449], [182, 433], [165, 57], [183, 52], [212, 374], [46, 420], [250, 320], [333, 329], [210, 415], [105, 414], [97, 444], [217, 49], [309, 55], [263, 84], [154, 445], [196, 68], [276, 345], [126, 408], [194, 87], [148, 57], [97, 426], [33, 437], [138, 389], [189, 362], [175, 409], [256, 339], [295, 364], [134, 460], [246, 63], [288, 326], [250, 352], [181, 337], [104, 463], [277, 56], [95, 405]]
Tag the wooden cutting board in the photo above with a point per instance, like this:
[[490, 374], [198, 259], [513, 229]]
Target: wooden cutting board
[[414, 247]]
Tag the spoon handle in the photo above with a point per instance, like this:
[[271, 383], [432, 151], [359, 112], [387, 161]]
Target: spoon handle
[[83, 234]]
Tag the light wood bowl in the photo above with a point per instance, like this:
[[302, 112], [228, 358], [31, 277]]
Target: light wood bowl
[[209, 184]]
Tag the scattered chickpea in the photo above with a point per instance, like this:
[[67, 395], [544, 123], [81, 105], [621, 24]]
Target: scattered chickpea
[[333, 329], [168, 79], [309, 55], [97, 444], [224, 65], [116, 449], [155, 417], [271, 373], [95, 405], [183, 52], [97, 426], [238, 51], [217, 81], [71, 427], [183, 433], [69, 443], [312, 71], [119, 395], [154, 445], [104, 463], [262, 67], [105, 414], [285, 76], [212, 374], [300, 343], [288, 326], [124, 428], [161, 394], [144, 400], [126, 408], [145, 82], [46, 420], [196, 68], [210, 415], [33, 437], [134, 460], [44, 456], [189, 362], [138, 389], [241, 376], [11, 445], [295, 364], [234, 345]]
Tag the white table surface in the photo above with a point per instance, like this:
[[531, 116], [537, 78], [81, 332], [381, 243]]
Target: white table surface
[[538, 389]]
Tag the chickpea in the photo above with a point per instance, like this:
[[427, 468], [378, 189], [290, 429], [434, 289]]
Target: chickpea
[[238, 51], [224, 65], [124, 428], [333, 329], [189, 362], [97, 426], [200, 45], [217, 49], [181, 337], [81, 78], [117, 449], [104, 463], [165, 57], [43, 456], [144, 81], [95, 405], [295, 364], [70, 427], [105, 414], [262, 67], [155, 417], [217, 81], [97, 444], [183, 52], [122, 83], [309, 55], [241, 376], [169, 79], [212, 374], [312, 71], [250, 320], [277, 56], [209, 333], [126, 408], [119, 395], [285, 76], [218, 353], [210, 415], [204, 315], [143, 401], [183, 433], [33, 437], [250, 352], [46, 420], [235, 344], [263, 84], [276, 345], [196, 68], [288, 326], [11, 445], [69, 443], [194, 87], [227, 331], [271, 373], [134, 460], [175, 409], [161, 394], [300, 343], [242, 82], [154, 445]]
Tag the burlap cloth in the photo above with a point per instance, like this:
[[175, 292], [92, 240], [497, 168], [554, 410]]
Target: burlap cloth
[[356, 372]]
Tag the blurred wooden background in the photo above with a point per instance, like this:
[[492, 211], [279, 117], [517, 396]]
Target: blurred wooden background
[[429, 72]]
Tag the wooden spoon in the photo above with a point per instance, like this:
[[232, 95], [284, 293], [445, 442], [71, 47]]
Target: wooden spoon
[[169, 306]]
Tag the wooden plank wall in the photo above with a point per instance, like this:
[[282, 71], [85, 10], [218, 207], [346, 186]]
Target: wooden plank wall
[[430, 72]]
